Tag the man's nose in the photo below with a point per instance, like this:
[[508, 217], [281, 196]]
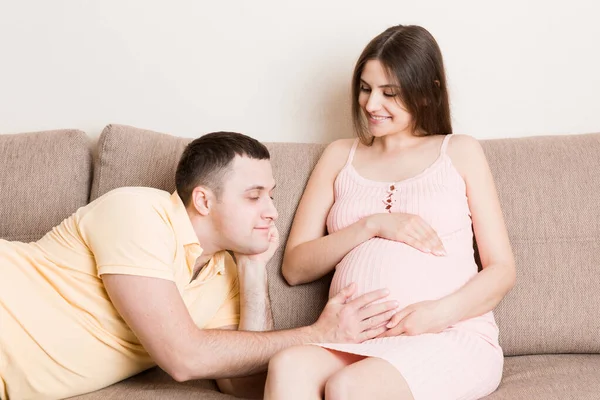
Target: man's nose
[[271, 212]]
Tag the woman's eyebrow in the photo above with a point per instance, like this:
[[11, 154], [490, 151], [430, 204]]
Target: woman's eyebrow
[[389, 85]]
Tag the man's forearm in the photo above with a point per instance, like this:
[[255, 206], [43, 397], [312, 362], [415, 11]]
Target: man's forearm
[[246, 353], [255, 315], [255, 307], [227, 354], [213, 354]]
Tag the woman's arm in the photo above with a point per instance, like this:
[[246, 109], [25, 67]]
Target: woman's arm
[[310, 253], [484, 291]]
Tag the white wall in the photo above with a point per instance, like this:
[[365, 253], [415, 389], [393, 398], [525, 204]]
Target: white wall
[[280, 70]]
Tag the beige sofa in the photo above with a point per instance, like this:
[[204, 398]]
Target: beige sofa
[[549, 188]]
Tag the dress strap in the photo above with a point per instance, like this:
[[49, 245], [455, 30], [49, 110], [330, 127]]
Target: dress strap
[[352, 151], [445, 144]]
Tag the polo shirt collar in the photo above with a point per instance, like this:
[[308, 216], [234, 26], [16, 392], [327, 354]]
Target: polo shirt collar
[[181, 222], [186, 234]]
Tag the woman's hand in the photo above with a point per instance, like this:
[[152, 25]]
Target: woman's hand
[[410, 229], [430, 316]]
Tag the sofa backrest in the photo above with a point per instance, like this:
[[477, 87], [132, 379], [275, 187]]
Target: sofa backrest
[[44, 177], [549, 189]]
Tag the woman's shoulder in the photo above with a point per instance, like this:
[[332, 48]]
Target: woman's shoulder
[[462, 141], [466, 153], [340, 146], [335, 157], [463, 145], [336, 154]]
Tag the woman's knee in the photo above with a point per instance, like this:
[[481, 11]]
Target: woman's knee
[[339, 385], [292, 360], [284, 360], [371, 378]]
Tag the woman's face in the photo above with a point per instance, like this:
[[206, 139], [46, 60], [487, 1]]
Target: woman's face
[[380, 101]]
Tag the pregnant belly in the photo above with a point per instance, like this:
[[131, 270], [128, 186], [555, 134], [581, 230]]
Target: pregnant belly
[[409, 274]]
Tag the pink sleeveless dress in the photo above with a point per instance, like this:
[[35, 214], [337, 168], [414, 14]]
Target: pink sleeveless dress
[[463, 362]]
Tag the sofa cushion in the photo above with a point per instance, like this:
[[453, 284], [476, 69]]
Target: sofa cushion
[[155, 384], [298, 305], [129, 156], [542, 377], [45, 177], [549, 377], [549, 189]]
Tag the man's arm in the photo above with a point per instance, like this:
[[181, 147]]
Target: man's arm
[[255, 315], [154, 310], [255, 307]]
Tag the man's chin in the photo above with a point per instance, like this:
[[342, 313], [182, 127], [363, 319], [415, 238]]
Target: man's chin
[[253, 249]]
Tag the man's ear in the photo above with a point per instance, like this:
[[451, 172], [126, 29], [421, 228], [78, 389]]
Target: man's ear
[[202, 199]]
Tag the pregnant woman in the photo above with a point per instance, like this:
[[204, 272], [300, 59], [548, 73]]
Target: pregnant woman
[[396, 208]]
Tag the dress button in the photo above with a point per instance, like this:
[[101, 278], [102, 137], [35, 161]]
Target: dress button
[[389, 201]]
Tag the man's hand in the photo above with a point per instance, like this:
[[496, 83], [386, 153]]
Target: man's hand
[[355, 321], [416, 319], [262, 258]]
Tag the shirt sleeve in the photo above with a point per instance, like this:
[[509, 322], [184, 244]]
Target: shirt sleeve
[[129, 235]]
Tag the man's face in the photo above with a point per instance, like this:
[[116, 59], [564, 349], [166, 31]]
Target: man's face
[[244, 210]]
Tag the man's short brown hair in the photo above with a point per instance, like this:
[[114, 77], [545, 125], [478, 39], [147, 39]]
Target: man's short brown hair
[[207, 160]]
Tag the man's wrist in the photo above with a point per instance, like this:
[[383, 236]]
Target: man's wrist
[[252, 273], [312, 334], [246, 262]]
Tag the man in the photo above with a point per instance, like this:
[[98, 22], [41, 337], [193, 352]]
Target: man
[[140, 277]]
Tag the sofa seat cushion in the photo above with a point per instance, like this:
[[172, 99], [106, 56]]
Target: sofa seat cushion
[[44, 177], [155, 384], [550, 377], [543, 377]]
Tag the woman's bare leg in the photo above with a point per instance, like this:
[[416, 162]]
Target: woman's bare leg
[[301, 372], [371, 378]]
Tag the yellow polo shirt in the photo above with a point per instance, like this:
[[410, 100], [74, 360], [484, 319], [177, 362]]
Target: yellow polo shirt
[[59, 333]]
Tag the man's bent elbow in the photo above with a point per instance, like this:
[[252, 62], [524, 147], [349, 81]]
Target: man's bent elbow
[[179, 375], [176, 370], [186, 374], [183, 370]]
